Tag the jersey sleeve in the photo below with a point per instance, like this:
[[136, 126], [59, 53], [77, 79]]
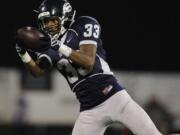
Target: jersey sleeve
[[88, 30], [48, 58]]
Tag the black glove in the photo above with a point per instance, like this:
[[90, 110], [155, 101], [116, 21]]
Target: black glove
[[21, 50], [19, 47], [23, 54]]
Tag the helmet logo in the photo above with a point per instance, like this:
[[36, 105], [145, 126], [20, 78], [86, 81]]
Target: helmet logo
[[67, 8]]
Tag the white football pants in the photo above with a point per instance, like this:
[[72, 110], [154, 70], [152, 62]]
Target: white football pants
[[118, 108]]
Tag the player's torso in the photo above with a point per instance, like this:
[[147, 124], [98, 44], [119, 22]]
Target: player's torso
[[74, 73], [91, 87]]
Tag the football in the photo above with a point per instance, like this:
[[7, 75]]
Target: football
[[33, 39]]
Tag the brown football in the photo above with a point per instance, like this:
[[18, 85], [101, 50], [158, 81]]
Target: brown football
[[33, 39]]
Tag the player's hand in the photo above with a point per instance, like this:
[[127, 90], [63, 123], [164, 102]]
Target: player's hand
[[19, 48], [60, 47], [55, 43]]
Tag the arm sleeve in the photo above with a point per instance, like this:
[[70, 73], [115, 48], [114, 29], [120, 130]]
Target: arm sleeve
[[88, 30], [45, 62], [48, 58]]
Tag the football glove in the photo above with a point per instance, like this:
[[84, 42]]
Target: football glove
[[20, 50], [19, 46], [23, 54]]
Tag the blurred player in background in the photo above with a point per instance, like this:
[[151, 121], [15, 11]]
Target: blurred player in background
[[77, 53]]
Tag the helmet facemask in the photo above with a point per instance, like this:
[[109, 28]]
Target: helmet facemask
[[50, 25], [64, 14]]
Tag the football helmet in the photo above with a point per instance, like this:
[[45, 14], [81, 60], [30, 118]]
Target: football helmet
[[55, 9]]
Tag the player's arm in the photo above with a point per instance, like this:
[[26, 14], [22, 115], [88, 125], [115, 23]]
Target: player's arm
[[33, 66], [88, 32], [85, 56]]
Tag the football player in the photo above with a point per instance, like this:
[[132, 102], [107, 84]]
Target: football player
[[77, 53]]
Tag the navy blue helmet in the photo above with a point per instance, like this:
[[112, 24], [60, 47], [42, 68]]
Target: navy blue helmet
[[60, 9]]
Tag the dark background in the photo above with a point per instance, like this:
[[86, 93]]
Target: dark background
[[138, 35]]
